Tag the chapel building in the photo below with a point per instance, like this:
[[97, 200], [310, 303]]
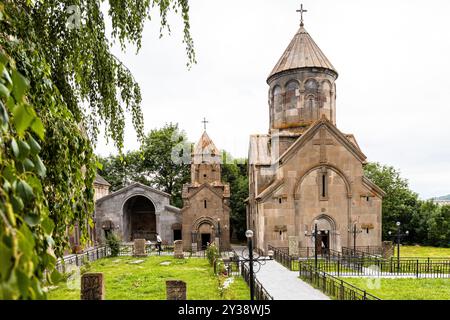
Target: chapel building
[[206, 200], [305, 171]]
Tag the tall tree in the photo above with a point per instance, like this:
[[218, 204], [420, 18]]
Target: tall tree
[[58, 50], [235, 173]]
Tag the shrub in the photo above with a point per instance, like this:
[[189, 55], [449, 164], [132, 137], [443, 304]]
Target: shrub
[[212, 253], [113, 242]]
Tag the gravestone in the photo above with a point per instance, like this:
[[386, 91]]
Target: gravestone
[[92, 286], [178, 249], [176, 290], [194, 247], [139, 248], [293, 246]]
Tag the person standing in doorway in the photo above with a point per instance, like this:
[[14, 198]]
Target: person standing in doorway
[[158, 243]]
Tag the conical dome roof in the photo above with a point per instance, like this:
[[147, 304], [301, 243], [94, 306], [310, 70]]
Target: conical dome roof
[[302, 52], [205, 150]]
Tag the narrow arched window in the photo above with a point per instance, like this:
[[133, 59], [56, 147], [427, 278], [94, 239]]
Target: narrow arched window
[[277, 99], [292, 93], [204, 203]]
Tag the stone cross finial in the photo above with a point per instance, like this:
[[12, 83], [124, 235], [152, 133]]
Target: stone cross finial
[[301, 14]]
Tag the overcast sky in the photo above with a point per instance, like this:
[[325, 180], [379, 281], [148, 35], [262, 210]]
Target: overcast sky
[[393, 90]]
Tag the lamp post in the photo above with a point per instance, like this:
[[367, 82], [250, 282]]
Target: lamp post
[[249, 235], [314, 234], [399, 236], [354, 232], [251, 261]]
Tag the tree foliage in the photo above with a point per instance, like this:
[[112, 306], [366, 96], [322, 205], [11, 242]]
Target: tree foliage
[[400, 203], [162, 163], [427, 222], [235, 173], [57, 52]]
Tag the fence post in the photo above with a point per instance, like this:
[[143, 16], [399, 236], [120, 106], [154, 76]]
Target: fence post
[[338, 268], [76, 259], [341, 291], [417, 268]]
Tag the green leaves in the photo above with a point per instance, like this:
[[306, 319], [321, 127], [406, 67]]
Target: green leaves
[[21, 85]]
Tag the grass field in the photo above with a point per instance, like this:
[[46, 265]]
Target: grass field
[[419, 251], [146, 281], [405, 289]]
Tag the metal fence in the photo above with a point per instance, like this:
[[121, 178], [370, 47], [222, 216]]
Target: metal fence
[[260, 292], [82, 258], [334, 287]]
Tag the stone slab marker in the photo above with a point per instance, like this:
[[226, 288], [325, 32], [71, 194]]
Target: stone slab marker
[[387, 247], [176, 290], [293, 246], [92, 286], [139, 248], [178, 249]]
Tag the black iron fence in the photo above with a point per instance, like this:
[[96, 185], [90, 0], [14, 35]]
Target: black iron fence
[[347, 266], [260, 292], [333, 287]]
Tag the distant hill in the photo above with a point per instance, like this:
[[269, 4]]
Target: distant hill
[[447, 197]]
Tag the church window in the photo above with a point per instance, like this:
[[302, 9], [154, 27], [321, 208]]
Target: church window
[[323, 185], [277, 99], [292, 93], [279, 200], [204, 203]]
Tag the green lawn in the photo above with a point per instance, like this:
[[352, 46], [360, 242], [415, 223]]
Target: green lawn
[[146, 281], [419, 251], [405, 289]]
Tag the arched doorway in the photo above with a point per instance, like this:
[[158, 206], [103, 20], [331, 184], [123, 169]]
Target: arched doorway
[[206, 235], [139, 219], [327, 236]]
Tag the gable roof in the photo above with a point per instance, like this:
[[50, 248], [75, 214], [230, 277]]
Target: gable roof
[[208, 186], [302, 52], [371, 185], [274, 186], [310, 133], [131, 186], [101, 181]]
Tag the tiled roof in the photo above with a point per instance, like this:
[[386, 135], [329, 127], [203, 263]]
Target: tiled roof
[[302, 52]]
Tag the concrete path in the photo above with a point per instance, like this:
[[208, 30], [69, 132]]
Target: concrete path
[[283, 284]]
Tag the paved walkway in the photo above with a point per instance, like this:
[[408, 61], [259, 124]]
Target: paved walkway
[[283, 284]]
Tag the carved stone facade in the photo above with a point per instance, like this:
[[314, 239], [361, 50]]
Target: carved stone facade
[[305, 171], [206, 211]]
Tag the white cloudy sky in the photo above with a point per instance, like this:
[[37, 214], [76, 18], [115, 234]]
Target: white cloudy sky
[[393, 90]]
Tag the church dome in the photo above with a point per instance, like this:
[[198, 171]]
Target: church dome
[[302, 52]]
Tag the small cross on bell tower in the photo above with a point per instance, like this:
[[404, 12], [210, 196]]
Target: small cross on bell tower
[[301, 14], [204, 123]]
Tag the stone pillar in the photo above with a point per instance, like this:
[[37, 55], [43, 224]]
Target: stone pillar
[[293, 246], [176, 290], [92, 286], [178, 249], [139, 248]]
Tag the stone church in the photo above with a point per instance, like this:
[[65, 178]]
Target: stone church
[[206, 211], [305, 171]]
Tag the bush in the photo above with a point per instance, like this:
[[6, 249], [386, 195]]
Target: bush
[[212, 253], [113, 242]]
